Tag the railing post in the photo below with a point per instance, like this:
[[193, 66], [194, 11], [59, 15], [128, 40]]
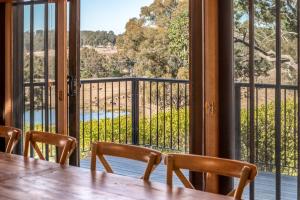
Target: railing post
[[237, 122], [135, 110]]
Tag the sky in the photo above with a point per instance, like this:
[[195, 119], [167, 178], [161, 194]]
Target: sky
[[109, 14], [96, 15]]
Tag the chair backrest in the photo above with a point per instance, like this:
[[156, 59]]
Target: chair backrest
[[149, 156], [11, 136], [246, 172], [66, 144]]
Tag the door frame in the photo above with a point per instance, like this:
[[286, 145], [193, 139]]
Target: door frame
[[74, 73], [204, 86], [14, 101]]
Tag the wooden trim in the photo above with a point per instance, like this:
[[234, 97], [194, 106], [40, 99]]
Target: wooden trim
[[211, 76], [226, 89], [2, 62], [211, 84], [74, 72], [8, 65], [2, 71], [204, 75], [196, 86], [62, 69], [18, 69]]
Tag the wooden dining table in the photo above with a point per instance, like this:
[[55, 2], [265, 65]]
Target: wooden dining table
[[27, 178]]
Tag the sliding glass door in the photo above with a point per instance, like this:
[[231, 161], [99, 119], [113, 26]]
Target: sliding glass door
[[266, 47], [35, 69]]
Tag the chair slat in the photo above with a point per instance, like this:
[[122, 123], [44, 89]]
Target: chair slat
[[210, 165], [66, 143], [149, 156], [11, 136]]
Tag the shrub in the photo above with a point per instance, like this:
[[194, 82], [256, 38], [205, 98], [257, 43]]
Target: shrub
[[265, 137]]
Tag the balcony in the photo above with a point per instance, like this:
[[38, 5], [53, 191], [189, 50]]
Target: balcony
[[154, 113]]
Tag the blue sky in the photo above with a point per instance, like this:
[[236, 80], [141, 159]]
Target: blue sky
[[95, 14], [109, 14], [39, 17]]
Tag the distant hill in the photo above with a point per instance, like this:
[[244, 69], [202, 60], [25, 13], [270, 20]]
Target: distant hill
[[97, 39]]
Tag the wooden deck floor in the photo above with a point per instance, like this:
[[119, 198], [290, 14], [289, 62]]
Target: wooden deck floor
[[264, 184]]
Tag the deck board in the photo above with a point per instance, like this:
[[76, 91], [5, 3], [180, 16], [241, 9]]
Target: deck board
[[264, 184]]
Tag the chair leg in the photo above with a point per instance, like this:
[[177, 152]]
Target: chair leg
[[94, 157], [150, 166], [26, 148], [243, 182], [169, 171]]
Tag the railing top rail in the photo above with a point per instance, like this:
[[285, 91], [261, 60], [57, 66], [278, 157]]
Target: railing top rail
[[267, 86], [164, 80], [38, 84], [117, 79]]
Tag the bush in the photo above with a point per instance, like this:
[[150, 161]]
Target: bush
[[159, 137], [265, 137]]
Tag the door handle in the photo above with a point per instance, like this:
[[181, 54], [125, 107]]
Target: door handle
[[72, 86]]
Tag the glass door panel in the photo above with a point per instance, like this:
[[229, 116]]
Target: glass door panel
[[35, 70]]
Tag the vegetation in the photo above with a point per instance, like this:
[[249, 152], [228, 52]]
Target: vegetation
[[265, 41], [92, 128], [265, 137], [265, 62], [153, 45], [87, 38], [264, 142], [98, 38], [156, 44]]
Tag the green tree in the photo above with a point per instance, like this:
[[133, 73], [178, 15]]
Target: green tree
[[265, 41], [157, 43]]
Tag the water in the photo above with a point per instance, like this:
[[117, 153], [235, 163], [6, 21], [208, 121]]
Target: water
[[39, 116]]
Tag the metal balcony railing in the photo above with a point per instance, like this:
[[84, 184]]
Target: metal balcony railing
[[151, 112], [155, 113], [264, 140]]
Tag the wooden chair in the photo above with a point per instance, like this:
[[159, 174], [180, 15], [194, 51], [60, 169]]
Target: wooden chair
[[149, 156], [66, 144], [246, 172], [11, 136]]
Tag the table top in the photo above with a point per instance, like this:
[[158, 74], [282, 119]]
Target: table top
[[26, 178]]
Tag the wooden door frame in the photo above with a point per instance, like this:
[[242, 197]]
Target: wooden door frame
[[61, 63], [226, 90], [74, 72], [2, 62], [204, 99], [211, 95], [6, 66], [8, 116], [61, 66], [196, 86], [2, 71]]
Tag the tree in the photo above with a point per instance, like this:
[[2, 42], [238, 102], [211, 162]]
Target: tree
[[96, 65], [97, 38], [265, 43], [178, 33], [157, 42]]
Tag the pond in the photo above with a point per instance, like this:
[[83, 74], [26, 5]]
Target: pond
[[39, 116]]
